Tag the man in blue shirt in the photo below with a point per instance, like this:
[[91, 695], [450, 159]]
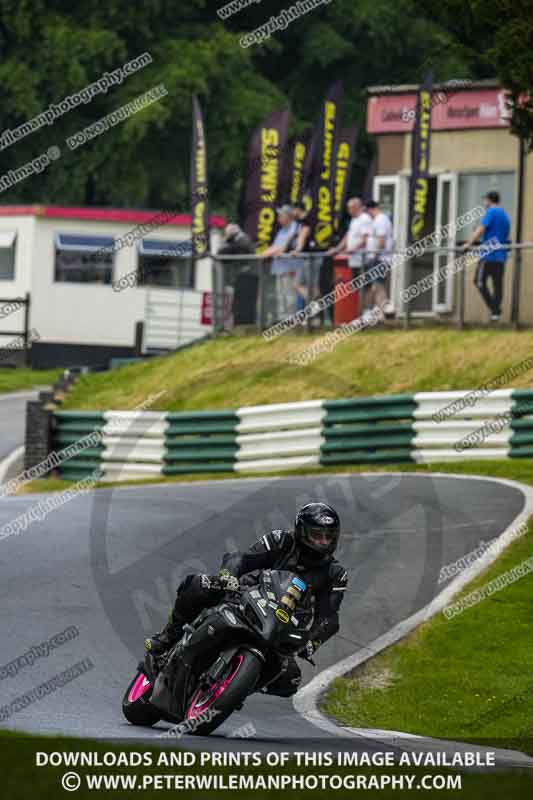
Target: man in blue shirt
[[494, 225], [283, 268]]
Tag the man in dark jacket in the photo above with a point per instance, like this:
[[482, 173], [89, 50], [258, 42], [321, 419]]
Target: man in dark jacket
[[236, 242], [240, 274], [307, 550]]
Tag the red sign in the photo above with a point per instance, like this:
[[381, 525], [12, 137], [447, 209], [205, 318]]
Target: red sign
[[206, 313], [451, 110]]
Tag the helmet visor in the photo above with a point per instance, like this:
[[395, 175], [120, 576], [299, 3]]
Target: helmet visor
[[321, 539]]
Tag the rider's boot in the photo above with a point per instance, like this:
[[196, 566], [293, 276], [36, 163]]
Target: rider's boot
[[161, 642]]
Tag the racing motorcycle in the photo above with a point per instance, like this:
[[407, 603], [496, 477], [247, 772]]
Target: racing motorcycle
[[230, 651]]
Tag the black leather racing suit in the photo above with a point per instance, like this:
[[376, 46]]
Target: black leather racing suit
[[277, 550]]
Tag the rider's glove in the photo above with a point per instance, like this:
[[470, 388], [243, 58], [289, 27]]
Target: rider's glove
[[229, 582], [224, 582]]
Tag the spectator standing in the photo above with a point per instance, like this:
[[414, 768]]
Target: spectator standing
[[240, 274], [298, 245], [300, 240], [379, 245], [354, 241], [283, 267], [494, 225], [236, 241]]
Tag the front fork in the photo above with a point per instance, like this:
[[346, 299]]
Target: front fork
[[217, 670]]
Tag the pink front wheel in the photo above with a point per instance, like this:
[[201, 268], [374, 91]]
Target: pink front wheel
[[204, 699], [226, 695]]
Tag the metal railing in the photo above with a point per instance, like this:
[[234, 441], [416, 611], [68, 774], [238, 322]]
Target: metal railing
[[265, 292], [251, 291], [467, 306], [24, 332]]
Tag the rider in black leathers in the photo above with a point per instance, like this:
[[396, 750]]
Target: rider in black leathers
[[308, 551]]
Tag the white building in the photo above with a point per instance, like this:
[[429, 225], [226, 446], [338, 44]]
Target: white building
[[92, 274]]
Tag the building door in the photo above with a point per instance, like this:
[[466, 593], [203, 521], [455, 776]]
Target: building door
[[446, 213], [442, 210], [424, 265], [390, 192]]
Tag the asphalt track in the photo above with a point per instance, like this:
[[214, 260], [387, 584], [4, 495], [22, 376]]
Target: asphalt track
[[12, 420], [108, 562]]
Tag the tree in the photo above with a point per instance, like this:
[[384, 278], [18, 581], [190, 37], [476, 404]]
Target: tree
[[50, 49], [497, 39]]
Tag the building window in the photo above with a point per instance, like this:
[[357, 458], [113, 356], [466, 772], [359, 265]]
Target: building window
[[472, 188], [166, 264], [84, 259], [7, 255]]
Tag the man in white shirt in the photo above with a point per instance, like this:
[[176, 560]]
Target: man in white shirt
[[379, 244], [354, 241]]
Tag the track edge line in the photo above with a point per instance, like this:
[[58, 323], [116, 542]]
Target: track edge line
[[306, 700]]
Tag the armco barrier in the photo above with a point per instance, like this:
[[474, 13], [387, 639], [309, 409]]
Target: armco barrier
[[200, 441], [368, 430], [69, 428], [422, 427]]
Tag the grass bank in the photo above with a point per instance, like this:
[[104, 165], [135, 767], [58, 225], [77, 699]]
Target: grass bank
[[235, 371], [16, 380], [468, 678]]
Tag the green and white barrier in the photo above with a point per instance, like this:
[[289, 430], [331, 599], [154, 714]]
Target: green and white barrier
[[279, 436], [422, 427]]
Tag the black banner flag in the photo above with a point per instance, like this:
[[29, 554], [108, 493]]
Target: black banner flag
[[298, 163], [322, 212], [199, 187], [368, 188], [420, 152], [261, 195], [308, 178], [344, 156]]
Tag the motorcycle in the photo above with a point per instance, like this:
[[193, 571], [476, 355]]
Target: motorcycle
[[231, 650]]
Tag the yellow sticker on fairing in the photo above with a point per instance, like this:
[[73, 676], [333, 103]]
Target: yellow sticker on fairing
[[282, 615], [288, 602]]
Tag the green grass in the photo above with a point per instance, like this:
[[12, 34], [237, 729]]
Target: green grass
[[466, 678], [22, 779], [15, 380], [234, 371]]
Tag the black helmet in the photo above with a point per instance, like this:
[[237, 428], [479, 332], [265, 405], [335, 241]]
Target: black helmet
[[317, 527]]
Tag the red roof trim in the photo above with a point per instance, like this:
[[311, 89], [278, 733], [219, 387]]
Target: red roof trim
[[100, 214]]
